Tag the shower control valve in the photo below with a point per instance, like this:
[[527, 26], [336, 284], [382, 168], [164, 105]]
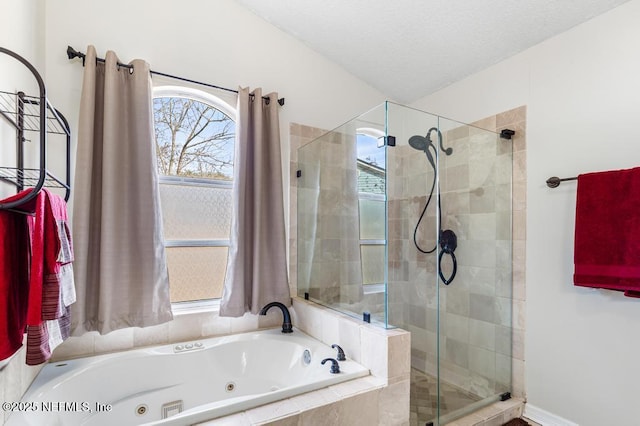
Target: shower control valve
[[340, 356]]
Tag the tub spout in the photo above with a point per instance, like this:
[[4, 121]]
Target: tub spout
[[286, 321], [335, 367]]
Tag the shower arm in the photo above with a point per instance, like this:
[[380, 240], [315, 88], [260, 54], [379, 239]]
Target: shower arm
[[447, 151]]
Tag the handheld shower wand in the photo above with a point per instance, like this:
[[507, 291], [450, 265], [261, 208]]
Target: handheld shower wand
[[447, 238]]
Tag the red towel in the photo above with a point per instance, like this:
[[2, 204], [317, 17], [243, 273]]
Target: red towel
[[48, 321], [607, 233], [14, 279], [55, 271], [35, 292]]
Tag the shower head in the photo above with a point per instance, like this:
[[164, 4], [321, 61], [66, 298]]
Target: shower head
[[420, 143]]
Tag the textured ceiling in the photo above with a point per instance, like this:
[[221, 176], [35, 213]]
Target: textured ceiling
[[408, 49]]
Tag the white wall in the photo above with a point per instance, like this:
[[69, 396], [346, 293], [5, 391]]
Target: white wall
[[216, 42], [582, 91], [22, 32]]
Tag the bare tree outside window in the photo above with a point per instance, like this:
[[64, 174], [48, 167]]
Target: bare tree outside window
[[193, 139]]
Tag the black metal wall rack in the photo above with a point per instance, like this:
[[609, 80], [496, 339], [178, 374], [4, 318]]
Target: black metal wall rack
[[35, 115]]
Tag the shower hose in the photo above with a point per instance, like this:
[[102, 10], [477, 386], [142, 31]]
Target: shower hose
[[446, 239]]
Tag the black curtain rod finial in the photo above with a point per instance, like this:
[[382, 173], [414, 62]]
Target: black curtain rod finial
[[73, 53]]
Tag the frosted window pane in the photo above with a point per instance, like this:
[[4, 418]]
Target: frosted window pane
[[196, 273], [372, 264], [195, 212], [372, 219]]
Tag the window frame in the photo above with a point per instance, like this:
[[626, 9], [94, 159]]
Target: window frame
[[171, 91], [379, 136]]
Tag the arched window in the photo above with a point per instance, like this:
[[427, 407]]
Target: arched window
[[195, 136]]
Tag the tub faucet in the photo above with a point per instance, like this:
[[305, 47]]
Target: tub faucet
[[335, 367], [340, 356], [286, 321]]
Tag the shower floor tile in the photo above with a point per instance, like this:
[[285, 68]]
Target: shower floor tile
[[424, 398]]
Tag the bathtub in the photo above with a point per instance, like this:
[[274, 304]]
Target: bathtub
[[180, 384]]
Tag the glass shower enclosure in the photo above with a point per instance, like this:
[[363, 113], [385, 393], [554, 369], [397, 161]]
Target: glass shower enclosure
[[404, 220]]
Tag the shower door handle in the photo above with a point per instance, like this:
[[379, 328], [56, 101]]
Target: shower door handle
[[448, 244], [447, 281]]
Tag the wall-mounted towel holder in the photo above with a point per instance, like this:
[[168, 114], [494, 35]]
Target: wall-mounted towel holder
[[32, 114]]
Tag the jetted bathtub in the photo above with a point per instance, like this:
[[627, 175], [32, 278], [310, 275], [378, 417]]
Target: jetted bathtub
[[180, 384]]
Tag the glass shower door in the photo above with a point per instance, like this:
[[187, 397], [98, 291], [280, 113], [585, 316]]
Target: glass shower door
[[449, 263], [341, 218], [413, 222], [474, 309]]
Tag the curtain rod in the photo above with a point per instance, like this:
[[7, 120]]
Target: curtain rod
[[72, 53]]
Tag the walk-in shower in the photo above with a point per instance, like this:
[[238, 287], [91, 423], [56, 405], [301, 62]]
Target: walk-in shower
[[404, 220]]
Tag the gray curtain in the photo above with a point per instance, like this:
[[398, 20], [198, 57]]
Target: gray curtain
[[120, 267], [257, 265]]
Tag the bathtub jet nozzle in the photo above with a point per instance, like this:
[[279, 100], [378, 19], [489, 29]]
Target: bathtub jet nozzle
[[287, 327]]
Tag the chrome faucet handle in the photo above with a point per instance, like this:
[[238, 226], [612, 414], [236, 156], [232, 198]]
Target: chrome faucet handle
[[335, 367], [340, 356]]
